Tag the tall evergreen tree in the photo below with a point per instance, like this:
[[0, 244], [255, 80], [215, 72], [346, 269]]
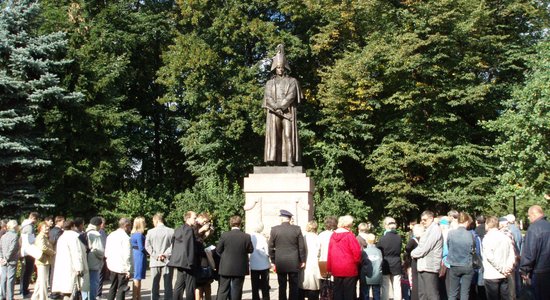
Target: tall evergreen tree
[[29, 91]]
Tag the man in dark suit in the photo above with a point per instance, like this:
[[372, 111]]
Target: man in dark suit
[[288, 253], [233, 248], [184, 258]]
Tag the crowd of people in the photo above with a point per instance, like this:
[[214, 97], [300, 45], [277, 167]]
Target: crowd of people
[[445, 257]]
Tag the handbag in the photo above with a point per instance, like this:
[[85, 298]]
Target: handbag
[[477, 263], [327, 290], [205, 274], [76, 294], [34, 251], [323, 269]]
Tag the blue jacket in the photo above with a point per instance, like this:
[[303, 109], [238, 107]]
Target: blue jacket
[[460, 243], [371, 267], [535, 257]]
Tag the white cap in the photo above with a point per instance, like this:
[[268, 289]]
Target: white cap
[[511, 218]]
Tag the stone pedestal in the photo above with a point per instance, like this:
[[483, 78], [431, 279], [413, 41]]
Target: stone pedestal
[[270, 189]]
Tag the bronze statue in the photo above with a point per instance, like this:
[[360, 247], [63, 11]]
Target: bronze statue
[[282, 95]]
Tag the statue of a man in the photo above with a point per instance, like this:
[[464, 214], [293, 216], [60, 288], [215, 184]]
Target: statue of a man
[[282, 95]]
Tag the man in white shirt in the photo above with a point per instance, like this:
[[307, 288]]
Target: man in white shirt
[[499, 258], [118, 252], [158, 244]]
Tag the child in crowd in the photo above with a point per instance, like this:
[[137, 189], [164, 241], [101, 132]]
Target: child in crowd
[[371, 269]]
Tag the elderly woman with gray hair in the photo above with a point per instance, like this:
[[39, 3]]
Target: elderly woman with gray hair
[[259, 264], [344, 257]]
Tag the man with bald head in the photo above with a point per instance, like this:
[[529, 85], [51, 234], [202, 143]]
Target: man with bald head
[[535, 257]]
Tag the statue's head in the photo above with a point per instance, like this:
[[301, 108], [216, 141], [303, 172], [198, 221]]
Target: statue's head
[[280, 64]]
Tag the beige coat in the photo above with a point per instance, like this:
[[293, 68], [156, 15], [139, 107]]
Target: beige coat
[[44, 244], [310, 276], [70, 259]]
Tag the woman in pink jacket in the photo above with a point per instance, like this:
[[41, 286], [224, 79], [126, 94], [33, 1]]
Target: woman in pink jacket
[[344, 257]]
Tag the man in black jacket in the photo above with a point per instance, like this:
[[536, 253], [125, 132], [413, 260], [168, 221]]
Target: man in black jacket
[[288, 253], [390, 245], [233, 248], [184, 259], [535, 257]]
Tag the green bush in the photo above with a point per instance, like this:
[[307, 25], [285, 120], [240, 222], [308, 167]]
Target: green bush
[[214, 195]]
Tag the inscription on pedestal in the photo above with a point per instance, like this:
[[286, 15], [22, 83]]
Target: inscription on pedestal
[[270, 189]]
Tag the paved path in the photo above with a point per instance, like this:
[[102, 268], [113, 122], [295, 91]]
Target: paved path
[[247, 289], [146, 288]]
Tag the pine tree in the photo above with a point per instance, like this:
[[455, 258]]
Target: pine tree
[[29, 90]]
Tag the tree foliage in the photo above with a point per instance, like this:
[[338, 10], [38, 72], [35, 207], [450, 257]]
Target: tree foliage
[[525, 139], [31, 100], [408, 105], [213, 195]]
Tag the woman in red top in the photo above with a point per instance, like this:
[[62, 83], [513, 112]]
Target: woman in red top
[[344, 257]]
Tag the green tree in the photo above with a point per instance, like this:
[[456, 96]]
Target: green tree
[[30, 97], [408, 104], [126, 139], [213, 75], [523, 145], [214, 195]]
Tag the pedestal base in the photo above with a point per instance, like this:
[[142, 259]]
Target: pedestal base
[[270, 189]]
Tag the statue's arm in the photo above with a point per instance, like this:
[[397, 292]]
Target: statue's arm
[[290, 96]]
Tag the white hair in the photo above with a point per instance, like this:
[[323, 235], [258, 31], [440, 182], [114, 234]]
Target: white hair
[[259, 227], [11, 224], [418, 230], [345, 221]]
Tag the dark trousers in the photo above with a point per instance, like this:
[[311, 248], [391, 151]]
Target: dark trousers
[[344, 288], [309, 294], [460, 279], [375, 292], [27, 268], [292, 279], [540, 285], [185, 281], [119, 285], [230, 286], [497, 289], [260, 282], [104, 274], [428, 286], [414, 287]]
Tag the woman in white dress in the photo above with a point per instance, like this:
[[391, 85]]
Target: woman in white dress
[[310, 277]]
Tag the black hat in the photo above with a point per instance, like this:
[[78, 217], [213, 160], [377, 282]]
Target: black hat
[[285, 213]]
